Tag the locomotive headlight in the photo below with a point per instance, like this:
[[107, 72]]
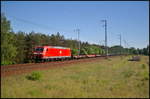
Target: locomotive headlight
[[37, 53]]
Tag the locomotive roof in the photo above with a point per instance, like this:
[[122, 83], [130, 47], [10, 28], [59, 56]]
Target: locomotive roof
[[59, 47]]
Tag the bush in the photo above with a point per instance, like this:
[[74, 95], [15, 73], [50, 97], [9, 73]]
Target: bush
[[74, 51], [145, 75], [143, 66], [34, 76], [6, 63]]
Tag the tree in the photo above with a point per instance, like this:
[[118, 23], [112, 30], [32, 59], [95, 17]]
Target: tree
[[31, 41], [8, 50], [57, 40], [20, 45], [116, 49], [145, 51]]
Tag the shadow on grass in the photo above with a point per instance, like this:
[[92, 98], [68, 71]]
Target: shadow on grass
[[34, 76]]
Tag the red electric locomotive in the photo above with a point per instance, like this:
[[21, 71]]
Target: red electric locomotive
[[51, 52]]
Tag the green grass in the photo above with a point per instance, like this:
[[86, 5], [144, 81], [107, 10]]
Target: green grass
[[115, 77]]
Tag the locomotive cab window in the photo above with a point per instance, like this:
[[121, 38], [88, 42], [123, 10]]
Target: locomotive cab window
[[39, 49]]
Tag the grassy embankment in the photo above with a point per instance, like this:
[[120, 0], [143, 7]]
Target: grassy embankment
[[114, 77]]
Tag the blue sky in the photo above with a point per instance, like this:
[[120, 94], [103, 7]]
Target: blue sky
[[128, 18]]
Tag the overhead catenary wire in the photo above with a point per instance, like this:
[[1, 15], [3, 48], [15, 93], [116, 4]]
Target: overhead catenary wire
[[39, 25], [48, 28], [65, 31]]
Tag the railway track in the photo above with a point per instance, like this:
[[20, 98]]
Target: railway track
[[23, 68]]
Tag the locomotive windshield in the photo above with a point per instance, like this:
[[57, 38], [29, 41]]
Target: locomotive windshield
[[39, 49]]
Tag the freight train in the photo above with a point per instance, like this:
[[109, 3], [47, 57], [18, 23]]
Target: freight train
[[50, 53]]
